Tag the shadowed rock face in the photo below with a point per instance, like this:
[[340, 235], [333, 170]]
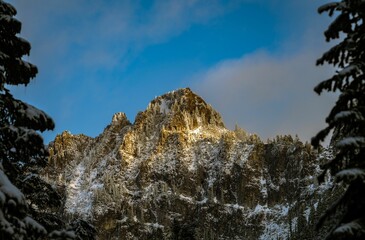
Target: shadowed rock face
[[178, 173]]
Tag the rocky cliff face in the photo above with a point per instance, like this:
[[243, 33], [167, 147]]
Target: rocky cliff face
[[178, 173]]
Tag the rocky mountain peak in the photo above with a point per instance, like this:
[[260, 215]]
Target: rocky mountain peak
[[119, 117], [178, 173], [178, 111], [174, 118]]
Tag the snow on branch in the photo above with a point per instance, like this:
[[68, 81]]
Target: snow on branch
[[349, 229], [17, 222], [347, 114], [31, 117], [3, 57], [22, 134], [327, 7], [351, 142], [25, 115], [9, 191], [349, 70], [34, 226], [33, 114], [65, 235], [350, 175], [7, 8]]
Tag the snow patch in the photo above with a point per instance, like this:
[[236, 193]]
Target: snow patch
[[274, 228], [79, 192], [307, 212], [164, 106], [197, 130], [263, 187], [155, 225], [234, 206], [185, 198], [204, 201], [315, 206]]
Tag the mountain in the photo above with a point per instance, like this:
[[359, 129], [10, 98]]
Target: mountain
[[178, 173]]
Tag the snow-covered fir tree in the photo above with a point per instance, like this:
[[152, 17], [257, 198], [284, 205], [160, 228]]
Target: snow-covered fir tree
[[23, 194], [347, 117]]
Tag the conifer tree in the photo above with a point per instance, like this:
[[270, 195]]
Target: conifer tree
[[22, 152], [347, 117]]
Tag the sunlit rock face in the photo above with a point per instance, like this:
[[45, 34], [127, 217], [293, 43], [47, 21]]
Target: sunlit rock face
[[178, 173]]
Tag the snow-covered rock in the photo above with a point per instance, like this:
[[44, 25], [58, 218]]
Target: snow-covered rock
[[178, 172]]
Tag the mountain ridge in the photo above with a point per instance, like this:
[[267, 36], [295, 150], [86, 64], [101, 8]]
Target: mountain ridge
[[178, 173]]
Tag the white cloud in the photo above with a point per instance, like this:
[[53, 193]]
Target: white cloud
[[116, 31], [268, 94], [271, 92], [80, 46]]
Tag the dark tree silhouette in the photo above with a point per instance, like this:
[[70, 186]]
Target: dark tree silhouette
[[347, 117], [22, 152]]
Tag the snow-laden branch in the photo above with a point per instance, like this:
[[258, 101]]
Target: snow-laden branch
[[349, 175], [12, 199], [351, 142], [349, 229]]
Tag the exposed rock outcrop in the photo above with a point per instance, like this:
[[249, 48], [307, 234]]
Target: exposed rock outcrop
[[178, 173]]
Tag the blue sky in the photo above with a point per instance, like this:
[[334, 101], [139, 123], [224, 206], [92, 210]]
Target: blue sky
[[252, 60]]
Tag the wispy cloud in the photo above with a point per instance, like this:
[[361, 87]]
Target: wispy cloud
[[104, 33], [268, 93], [82, 47]]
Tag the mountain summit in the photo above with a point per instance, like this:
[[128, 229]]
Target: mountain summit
[[172, 118], [178, 173], [180, 110]]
